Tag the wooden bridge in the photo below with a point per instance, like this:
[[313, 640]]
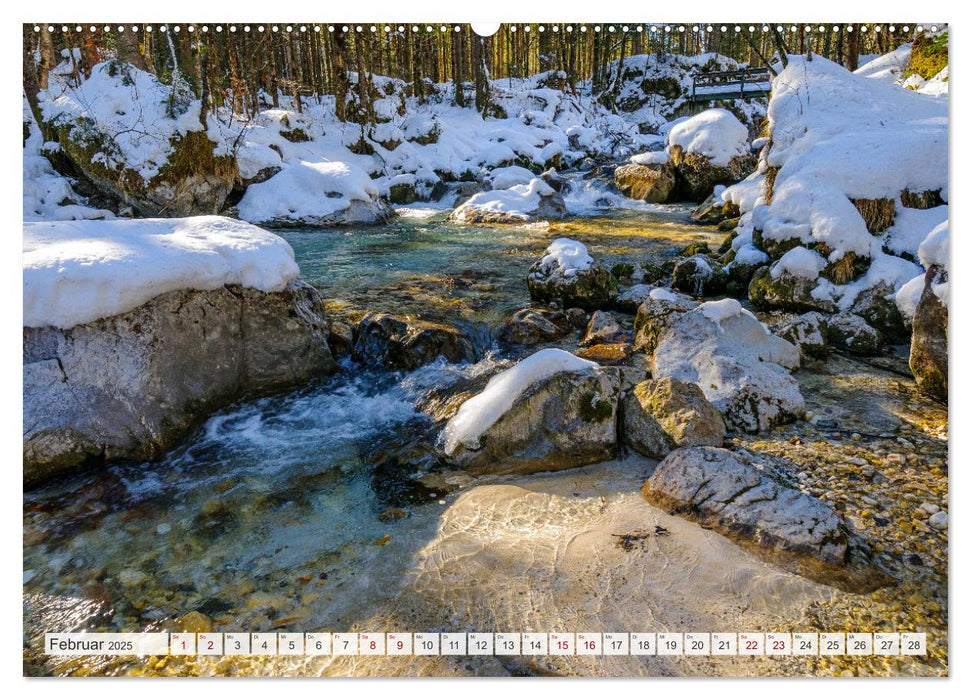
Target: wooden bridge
[[730, 84]]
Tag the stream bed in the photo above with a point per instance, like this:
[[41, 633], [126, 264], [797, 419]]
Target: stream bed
[[266, 518]]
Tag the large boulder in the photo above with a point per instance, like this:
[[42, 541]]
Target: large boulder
[[707, 150], [650, 183], [660, 308], [698, 175], [315, 195], [714, 211], [663, 414], [532, 201], [928, 345], [740, 366], [128, 386], [878, 307], [141, 143], [389, 341], [723, 490], [566, 274], [552, 410]]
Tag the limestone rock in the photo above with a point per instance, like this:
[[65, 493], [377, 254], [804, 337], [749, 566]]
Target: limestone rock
[[591, 288], [740, 366], [129, 386], [534, 201], [389, 341], [928, 346], [877, 306], [660, 415], [725, 491], [697, 176], [786, 292]]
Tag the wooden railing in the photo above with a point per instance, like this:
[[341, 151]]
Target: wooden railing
[[730, 84]]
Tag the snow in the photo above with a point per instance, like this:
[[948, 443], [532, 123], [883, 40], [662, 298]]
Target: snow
[[934, 249], [911, 227], [799, 262], [566, 256], [519, 201], [908, 296], [715, 133], [888, 67], [749, 255], [663, 294], [481, 412], [651, 158], [304, 190], [504, 178], [721, 310], [77, 272]]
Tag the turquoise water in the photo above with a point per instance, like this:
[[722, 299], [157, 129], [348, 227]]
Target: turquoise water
[[269, 515]]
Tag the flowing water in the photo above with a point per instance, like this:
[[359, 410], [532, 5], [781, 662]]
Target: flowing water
[[268, 518]]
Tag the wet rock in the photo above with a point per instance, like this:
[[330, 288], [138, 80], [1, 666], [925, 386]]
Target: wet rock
[[127, 387], [442, 402], [713, 211], [534, 326], [660, 415], [699, 276], [590, 287], [390, 341], [602, 329], [697, 176], [523, 424], [607, 353], [878, 307], [807, 332], [555, 180], [649, 183], [658, 311], [938, 521], [742, 369], [849, 332], [341, 339], [193, 621], [725, 491], [928, 346], [786, 292]]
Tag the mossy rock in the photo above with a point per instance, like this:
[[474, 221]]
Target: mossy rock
[[696, 248], [295, 135], [622, 271], [402, 193], [773, 248], [194, 181], [785, 292]]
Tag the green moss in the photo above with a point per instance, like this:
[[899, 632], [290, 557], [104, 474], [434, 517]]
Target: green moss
[[696, 248], [594, 409], [296, 135], [928, 56], [622, 270], [193, 155]]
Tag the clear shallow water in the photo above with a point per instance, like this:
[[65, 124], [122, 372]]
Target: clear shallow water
[[267, 517]]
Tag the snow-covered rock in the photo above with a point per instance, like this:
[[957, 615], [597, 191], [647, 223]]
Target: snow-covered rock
[[852, 164], [740, 366], [849, 332], [568, 275], [141, 142], [807, 332], [128, 386], [715, 134], [661, 415], [552, 410], [76, 272], [699, 276], [532, 201], [724, 490], [311, 194]]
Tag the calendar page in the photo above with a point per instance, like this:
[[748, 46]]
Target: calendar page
[[383, 348]]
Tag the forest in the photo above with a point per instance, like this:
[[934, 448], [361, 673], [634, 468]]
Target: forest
[[248, 67]]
